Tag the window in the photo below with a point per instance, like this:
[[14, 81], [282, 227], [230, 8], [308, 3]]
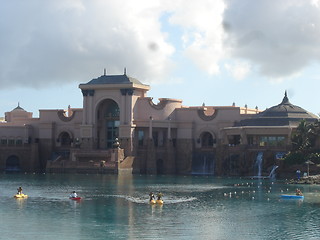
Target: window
[[275, 141], [207, 140], [140, 138], [234, 140], [4, 141], [155, 138]]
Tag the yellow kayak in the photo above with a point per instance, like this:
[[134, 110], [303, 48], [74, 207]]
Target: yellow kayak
[[20, 195], [159, 202], [153, 201]]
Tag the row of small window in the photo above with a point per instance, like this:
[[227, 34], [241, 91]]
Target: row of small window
[[159, 140], [11, 141], [276, 141], [262, 141]]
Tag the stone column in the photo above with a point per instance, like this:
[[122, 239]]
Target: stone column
[[91, 110], [150, 127], [169, 128], [289, 142], [85, 107], [151, 167], [243, 137]]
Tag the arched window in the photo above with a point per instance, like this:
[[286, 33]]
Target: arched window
[[108, 121], [65, 139], [207, 140], [112, 111]]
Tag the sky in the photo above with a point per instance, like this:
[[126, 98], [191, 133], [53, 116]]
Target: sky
[[220, 52]]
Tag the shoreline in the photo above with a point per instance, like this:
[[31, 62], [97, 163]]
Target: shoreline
[[313, 179]]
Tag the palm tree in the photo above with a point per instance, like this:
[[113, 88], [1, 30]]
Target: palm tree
[[303, 137]]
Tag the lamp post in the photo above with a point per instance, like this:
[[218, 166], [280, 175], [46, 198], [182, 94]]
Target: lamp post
[[308, 162]]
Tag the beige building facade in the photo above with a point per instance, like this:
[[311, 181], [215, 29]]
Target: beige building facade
[[121, 129]]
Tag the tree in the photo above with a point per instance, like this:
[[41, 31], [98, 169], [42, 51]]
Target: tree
[[304, 141]]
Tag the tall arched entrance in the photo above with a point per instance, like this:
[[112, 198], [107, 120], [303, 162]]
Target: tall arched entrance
[[108, 121], [203, 159]]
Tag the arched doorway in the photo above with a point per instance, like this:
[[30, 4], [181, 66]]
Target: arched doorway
[[207, 140], [65, 139], [108, 121], [12, 163]]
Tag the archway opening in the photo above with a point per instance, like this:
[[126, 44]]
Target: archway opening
[[108, 121], [65, 139], [13, 164], [207, 140]]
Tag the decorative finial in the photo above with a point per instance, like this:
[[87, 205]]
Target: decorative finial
[[125, 71], [104, 71], [285, 99]]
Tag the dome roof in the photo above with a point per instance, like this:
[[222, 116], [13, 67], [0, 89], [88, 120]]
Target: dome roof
[[283, 114], [18, 109]]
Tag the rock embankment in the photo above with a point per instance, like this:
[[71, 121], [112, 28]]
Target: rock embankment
[[314, 179]]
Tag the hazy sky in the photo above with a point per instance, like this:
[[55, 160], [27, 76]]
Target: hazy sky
[[201, 51]]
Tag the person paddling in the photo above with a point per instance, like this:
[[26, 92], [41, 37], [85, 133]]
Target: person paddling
[[159, 196], [298, 192], [151, 196], [73, 194], [19, 190]]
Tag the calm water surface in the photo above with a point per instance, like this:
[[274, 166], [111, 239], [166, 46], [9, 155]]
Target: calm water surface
[[116, 207]]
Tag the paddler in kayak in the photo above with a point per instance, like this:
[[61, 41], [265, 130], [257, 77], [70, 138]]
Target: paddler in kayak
[[151, 197], [73, 194], [19, 190], [159, 198], [298, 192]]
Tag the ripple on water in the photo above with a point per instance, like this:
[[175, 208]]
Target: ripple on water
[[167, 200]]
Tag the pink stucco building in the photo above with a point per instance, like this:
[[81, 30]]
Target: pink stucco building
[[121, 129]]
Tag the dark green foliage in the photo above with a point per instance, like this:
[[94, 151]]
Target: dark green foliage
[[303, 144], [294, 158]]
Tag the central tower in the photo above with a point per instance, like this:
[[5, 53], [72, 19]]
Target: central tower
[[108, 106]]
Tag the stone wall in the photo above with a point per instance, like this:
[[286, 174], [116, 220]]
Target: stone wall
[[28, 157], [184, 156]]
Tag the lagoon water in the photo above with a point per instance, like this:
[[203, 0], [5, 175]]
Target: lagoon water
[[116, 207]]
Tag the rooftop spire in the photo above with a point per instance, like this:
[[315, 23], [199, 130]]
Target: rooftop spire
[[285, 99]]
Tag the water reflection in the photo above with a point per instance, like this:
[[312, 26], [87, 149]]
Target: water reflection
[[116, 207]]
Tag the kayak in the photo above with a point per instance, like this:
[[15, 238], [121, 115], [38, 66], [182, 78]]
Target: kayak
[[292, 196], [153, 201], [159, 202], [20, 195], [75, 198]]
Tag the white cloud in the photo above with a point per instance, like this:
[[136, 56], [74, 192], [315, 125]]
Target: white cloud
[[203, 32], [280, 37], [59, 41], [56, 41], [238, 70]]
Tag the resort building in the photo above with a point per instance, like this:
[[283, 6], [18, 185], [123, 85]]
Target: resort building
[[120, 129]]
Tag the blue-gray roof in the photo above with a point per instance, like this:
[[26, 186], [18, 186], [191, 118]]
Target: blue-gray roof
[[283, 114], [114, 79]]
